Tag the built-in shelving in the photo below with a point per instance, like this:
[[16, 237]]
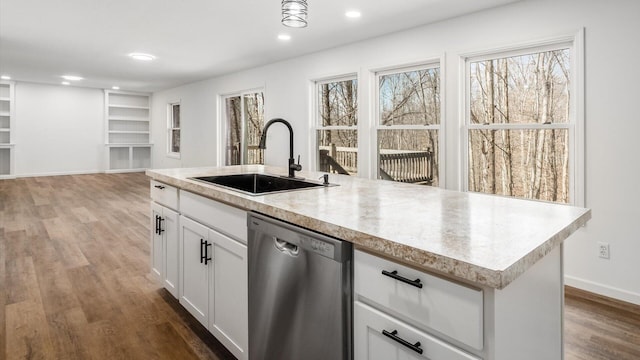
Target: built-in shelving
[[128, 132], [7, 120]]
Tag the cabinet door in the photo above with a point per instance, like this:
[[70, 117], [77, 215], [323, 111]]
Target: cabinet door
[[228, 320], [402, 342], [194, 273], [171, 240], [157, 264]]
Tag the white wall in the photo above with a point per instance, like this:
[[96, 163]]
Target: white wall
[[612, 123], [59, 130]]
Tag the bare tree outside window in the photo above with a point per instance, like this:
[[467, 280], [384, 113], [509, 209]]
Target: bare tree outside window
[[519, 121], [337, 126], [244, 123], [409, 122]]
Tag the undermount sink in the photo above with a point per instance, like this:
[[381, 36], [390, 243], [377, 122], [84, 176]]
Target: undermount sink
[[259, 184]]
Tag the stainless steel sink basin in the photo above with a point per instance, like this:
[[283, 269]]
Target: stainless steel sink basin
[[259, 184]]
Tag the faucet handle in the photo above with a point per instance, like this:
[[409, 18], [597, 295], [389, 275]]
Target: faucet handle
[[297, 167]]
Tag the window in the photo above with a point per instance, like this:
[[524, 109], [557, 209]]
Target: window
[[244, 121], [408, 129], [173, 112], [337, 125], [520, 124]]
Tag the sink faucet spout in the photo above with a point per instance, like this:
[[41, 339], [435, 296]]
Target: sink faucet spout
[[293, 167]]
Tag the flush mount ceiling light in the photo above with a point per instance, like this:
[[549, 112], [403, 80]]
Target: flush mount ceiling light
[[5, 77], [142, 56], [294, 13], [66, 83], [72, 77], [115, 87], [284, 37], [354, 14]]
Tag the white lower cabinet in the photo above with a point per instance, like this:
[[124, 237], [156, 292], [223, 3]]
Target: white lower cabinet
[[228, 294], [194, 272], [164, 247], [403, 313], [214, 283], [379, 336]]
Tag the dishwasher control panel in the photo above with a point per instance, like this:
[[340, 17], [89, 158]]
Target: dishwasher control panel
[[317, 246]]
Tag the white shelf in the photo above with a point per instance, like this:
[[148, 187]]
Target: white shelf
[[128, 118], [5, 113], [128, 145], [5, 130], [3, 98], [128, 107], [127, 131]]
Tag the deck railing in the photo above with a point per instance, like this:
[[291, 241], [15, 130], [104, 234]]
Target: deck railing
[[255, 155], [397, 165]]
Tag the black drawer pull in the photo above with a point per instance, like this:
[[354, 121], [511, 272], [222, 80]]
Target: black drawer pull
[[157, 222], [394, 336], [158, 187], [160, 229], [394, 274]]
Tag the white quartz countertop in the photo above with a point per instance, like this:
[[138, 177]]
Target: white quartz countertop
[[482, 239]]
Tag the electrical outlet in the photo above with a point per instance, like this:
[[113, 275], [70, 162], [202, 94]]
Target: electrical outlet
[[603, 250]]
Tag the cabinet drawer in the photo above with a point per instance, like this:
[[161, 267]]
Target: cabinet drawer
[[449, 308], [380, 336], [224, 218], [164, 194]]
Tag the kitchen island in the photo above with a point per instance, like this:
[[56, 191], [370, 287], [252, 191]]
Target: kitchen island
[[506, 250]]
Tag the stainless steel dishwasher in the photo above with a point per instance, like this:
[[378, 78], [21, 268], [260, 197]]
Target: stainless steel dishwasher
[[300, 293]]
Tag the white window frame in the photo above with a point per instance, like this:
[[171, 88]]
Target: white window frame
[[376, 126], [316, 120], [170, 129], [222, 123], [574, 124]]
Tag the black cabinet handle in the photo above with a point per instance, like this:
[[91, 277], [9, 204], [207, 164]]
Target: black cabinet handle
[[204, 253], [394, 336], [158, 187], [201, 251], [157, 224], [160, 229], [394, 274]]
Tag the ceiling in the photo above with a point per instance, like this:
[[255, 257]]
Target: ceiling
[[40, 40]]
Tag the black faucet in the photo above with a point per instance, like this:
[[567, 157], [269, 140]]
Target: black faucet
[[293, 167]]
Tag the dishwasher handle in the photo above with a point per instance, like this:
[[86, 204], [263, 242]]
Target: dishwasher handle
[[286, 247]]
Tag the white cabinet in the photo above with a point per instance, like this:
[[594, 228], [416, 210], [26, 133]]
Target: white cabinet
[[164, 247], [228, 294], [403, 313], [195, 248], [127, 133], [7, 119], [164, 228], [379, 336], [213, 270]]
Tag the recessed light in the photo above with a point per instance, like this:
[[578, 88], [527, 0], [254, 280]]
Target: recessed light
[[115, 87], [5, 77], [284, 37], [142, 56], [66, 83], [352, 14], [71, 77]]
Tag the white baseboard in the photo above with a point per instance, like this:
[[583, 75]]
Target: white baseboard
[[61, 173], [601, 289]]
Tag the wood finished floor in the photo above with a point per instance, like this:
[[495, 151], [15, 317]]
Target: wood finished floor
[[75, 284]]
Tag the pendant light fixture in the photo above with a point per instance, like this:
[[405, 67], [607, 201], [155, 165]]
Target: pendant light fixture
[[294, 13]]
